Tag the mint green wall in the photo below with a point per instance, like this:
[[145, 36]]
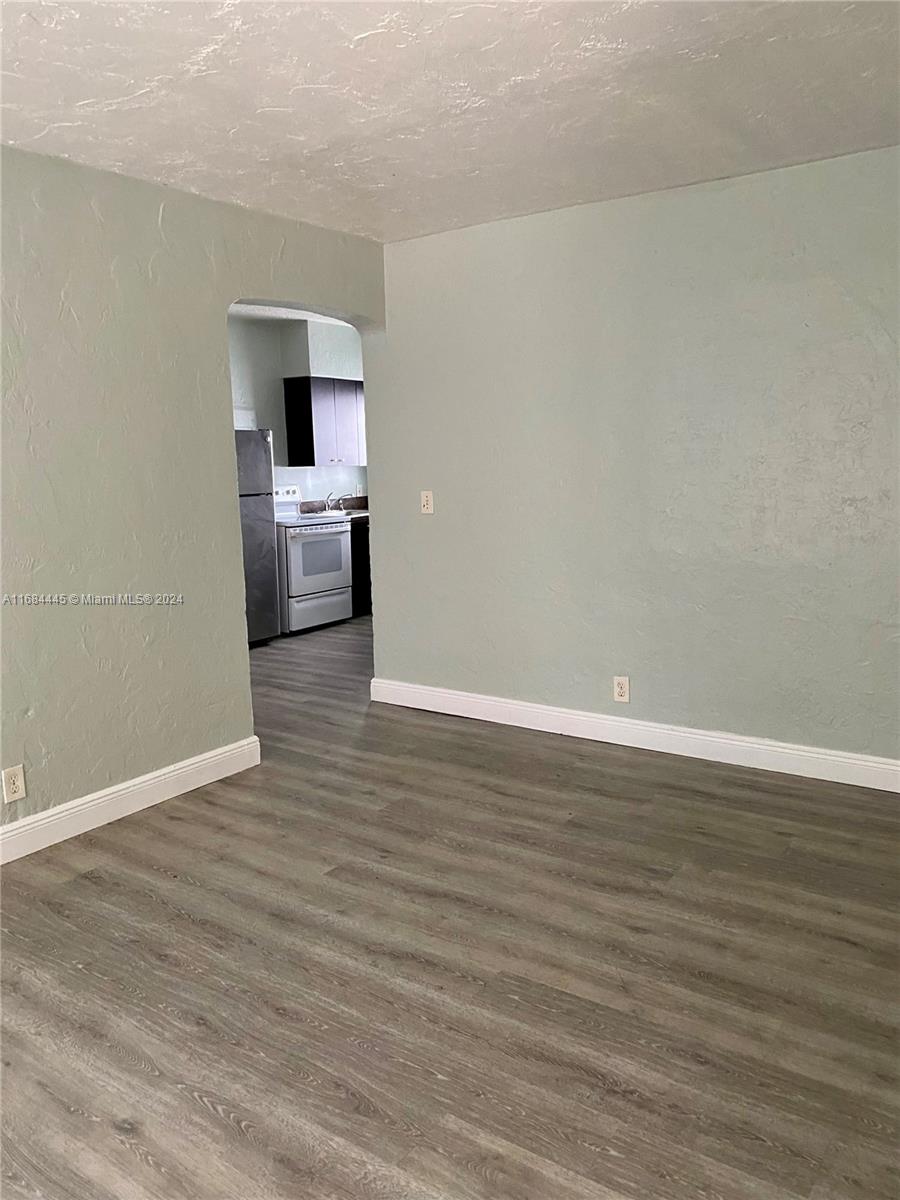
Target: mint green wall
[[661, 434], [322, 348], [335, 351], [118, 461]]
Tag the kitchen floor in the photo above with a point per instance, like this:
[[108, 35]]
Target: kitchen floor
[[421, 957]]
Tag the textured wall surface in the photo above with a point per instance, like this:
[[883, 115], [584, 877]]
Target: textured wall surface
[[118, 461], [662, 438]]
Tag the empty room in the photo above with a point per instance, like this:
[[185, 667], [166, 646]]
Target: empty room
[[450, 615]]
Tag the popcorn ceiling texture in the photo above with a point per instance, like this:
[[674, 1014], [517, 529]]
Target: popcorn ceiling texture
[[395, 120], [118, 461], [685, 406]]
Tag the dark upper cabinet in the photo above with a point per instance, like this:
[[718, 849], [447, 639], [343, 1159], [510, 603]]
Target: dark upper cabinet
[[324, 422]]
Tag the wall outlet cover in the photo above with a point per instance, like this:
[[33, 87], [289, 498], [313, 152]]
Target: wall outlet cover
[[14, 784], [427, 503], [621, 689]]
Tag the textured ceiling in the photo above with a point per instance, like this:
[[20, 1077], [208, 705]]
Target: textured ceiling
[[395, 120]]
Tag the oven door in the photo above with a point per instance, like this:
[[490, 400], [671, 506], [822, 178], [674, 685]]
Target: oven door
[[318, 558]]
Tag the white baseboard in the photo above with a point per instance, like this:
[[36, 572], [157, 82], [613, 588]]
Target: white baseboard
[[863, 770], [87, 812]]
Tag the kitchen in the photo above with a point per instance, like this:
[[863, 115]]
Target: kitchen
[[300, 440]]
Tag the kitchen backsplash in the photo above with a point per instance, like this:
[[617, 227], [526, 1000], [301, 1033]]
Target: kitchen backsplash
[[316, 482]]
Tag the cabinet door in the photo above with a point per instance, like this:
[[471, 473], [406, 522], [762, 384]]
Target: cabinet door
[[301, 451], [359, 555], [324, 429], [361, 424], [345, 422]]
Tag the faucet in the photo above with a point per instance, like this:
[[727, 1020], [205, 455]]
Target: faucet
[[331, 503]]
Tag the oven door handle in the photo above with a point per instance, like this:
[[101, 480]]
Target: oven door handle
[[321, 531]]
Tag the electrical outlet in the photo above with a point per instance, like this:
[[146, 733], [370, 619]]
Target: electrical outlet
[[621, 689], [427, 503], [13, 784]]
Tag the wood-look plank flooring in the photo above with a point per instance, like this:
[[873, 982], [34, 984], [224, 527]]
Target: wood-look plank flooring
[[412, 957]]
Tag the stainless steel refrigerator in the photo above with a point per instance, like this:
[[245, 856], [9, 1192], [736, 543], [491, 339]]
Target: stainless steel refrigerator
[[256, 487]]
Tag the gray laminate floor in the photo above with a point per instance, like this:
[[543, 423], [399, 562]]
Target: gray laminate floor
[[413, 956]]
